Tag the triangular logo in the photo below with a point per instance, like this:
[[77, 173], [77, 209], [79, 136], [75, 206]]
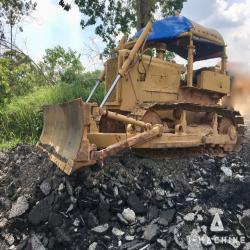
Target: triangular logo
[[216, 225]]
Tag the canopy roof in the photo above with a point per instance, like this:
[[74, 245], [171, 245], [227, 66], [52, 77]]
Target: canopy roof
[[173, 31]]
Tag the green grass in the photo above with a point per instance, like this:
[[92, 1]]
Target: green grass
[[21, 120]]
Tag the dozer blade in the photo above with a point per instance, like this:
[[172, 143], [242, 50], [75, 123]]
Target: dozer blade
[[64, 135]]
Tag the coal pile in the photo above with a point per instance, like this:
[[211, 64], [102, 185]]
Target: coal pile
[[132, 203]]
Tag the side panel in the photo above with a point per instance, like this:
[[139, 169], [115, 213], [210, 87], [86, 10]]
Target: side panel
[[214, 81], [149, 79], [161, 76]]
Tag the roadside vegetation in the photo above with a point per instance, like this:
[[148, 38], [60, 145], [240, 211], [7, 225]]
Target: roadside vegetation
[[25, 90]]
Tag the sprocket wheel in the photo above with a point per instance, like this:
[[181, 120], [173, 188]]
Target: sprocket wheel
[[151, 117]]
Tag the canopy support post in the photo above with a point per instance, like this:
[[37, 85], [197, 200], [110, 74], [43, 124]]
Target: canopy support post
[[191, 48], [224, 62]]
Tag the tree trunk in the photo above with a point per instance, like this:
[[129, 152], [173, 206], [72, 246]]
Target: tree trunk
[[143, 11], [11, 33], [11, 37]]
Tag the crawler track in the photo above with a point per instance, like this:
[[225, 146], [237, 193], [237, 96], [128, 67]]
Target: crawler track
[[233, 115]]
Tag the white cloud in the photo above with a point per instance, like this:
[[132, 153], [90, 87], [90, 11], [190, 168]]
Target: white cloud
[[236, 36], [230, 17], [45, 10], [50, 25]]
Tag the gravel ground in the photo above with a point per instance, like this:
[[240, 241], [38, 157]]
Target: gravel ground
[[133, 203]]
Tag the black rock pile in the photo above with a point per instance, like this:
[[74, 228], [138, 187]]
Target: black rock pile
[[132, 203]]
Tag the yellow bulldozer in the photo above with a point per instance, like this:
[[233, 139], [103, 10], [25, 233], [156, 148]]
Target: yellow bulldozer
[[152, 104]]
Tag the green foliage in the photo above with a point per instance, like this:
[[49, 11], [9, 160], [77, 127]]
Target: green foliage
[[115, 16], [111, 17], [61, 65], [170, 7], [169, 55], [23, 91], [12, 11], [21, 120], [17, 76]]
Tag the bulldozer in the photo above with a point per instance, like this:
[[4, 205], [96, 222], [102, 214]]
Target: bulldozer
[[152, 105]]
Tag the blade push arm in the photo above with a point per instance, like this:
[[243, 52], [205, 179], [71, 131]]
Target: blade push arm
[[135, 49], [127, 143]]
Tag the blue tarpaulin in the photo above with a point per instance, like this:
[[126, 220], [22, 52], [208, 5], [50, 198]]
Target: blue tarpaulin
[[170, 28], [167, 29]]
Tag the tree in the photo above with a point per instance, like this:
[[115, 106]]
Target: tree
[[59, 64], [115, 16], [11, 13], [18, 75]]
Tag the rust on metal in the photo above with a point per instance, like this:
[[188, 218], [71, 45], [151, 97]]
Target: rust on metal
[[64, 135]]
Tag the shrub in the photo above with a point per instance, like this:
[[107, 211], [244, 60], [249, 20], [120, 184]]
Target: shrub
[[21, 120]]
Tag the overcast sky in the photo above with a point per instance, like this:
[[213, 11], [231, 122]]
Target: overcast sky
[[50, 26]]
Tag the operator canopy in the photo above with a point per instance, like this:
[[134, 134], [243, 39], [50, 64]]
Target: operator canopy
[[173, 31]]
